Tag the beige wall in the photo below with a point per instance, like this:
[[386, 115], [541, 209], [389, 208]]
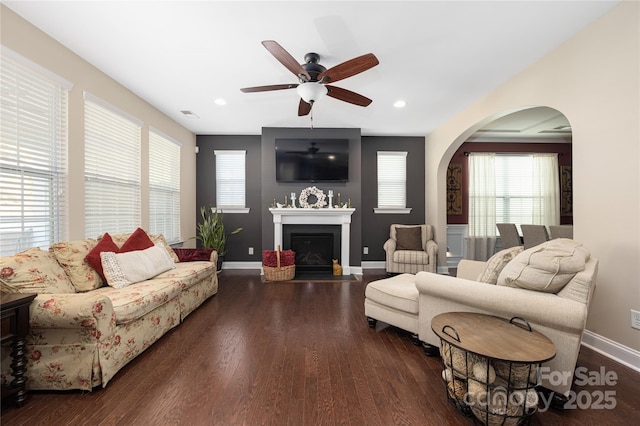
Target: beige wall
[[28, 41], [594, 80]]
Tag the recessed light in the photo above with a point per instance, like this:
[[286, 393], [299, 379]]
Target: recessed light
[[220, 101], [400, 104]]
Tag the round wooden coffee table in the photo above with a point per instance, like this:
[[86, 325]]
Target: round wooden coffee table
[[491, 364]]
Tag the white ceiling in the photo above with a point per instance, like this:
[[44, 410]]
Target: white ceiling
[[438, 56]]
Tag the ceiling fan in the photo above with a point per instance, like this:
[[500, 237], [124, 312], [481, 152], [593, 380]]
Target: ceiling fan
[[314, 78]]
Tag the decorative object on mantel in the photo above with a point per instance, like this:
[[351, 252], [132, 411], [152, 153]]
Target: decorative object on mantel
[[313, 192], [293, 200], [330, 199]]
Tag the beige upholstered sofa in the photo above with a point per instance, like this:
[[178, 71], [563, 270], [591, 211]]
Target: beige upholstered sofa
[[410, 248], [83, 331], [530, 285]]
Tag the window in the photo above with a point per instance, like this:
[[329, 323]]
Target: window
[[164, 186], [230, 181], [392, 182], [112, 169], [527, 189], [33, 155], [512, 189]]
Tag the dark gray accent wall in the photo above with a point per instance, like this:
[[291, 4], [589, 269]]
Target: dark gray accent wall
[[251, 235], [348, 190], [367, 229], [375, 227]]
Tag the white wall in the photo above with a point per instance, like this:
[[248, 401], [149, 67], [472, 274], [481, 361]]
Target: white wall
[[594, 80], [25, 39]]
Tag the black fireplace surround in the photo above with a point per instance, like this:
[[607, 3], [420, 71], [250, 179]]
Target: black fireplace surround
[[315, 246]]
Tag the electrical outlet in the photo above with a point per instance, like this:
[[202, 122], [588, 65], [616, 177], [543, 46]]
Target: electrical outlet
[[365, 250], [250, 250], [635, 319]]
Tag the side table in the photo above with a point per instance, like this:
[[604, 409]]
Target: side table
[[14, 310], [491, 365]]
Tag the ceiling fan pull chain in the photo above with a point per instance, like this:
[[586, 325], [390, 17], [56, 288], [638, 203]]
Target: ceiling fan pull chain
[[311, 117]]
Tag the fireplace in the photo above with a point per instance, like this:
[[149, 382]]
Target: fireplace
[[283, 217], [315, 246]]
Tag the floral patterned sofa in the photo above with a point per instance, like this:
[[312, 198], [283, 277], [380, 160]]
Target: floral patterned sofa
[[84, 331]]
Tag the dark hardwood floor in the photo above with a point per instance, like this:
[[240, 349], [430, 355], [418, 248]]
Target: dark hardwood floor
[[294, 353]]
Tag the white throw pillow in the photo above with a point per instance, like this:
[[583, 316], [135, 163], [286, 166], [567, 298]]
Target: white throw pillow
[[496, 264], [547, 267], [123, 269]]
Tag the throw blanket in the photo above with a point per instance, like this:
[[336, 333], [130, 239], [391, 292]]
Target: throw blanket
[[192, 254], [270, 259]]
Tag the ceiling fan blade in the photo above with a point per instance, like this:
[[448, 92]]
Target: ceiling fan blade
[[349, 68], [347, 96], [286, 59], [304, 108], [268, 88]]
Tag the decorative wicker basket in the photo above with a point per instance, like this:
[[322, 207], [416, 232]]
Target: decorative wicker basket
[[278, 273]]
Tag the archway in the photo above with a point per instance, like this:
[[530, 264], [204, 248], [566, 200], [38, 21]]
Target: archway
[[530, 129]]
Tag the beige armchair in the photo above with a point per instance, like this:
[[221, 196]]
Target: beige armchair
[[410, 249], [560, 315]]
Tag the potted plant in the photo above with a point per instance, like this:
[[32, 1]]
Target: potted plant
[[211, 232]]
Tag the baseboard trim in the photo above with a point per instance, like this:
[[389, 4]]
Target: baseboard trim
[[374, 264], [622, 354], [241, 265], [355, 270], [443, 270]]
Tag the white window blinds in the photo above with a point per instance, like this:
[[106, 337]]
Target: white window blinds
[[164, 186], [230, 178], [527, 189], [33, 156], [392, 179], [112, 169]]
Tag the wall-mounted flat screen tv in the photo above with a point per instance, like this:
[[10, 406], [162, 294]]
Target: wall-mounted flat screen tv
[[312, 160]]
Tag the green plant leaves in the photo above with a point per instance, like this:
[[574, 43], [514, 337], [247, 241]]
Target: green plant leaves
[[211, 232]]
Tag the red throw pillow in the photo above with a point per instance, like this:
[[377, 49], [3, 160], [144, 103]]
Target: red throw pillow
[[93, 258], [139, 240]]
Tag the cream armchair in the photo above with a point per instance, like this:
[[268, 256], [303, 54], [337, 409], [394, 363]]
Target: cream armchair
[[410, 249], [560, 315]]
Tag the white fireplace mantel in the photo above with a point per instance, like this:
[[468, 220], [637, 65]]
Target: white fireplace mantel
[[304, 216]]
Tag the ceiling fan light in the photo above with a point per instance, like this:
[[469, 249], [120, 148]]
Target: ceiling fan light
[[311, 91]]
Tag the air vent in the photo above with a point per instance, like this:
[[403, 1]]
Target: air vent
[[189, 114]]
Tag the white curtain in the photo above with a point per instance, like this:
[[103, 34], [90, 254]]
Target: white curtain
[[546, 189], [542, 206], [482, 206]]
